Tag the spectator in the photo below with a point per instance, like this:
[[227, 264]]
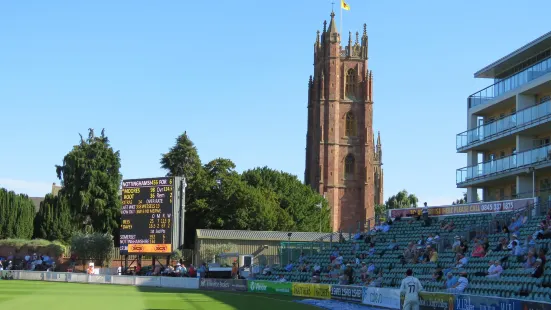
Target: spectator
[[456, 244], [393, 245], [301, 258], [281, 278], [378, 281], [349, 274], [430, 239], [288, 268], [450, 281], [202, 271], [192, 272], [409, 252], [529, 260], [363, 272], [478, 250], [425, 212], [317, 269], [463, 247], [433, 256], [461, 261], [334, 255], [450, 226], [516, 249], [267, 270], [355, 248], [502, 245], [496, 271], [421, 241], [437, 275], [371, 268], [461, 285], [371, 251], [541, 256], [537, 269]]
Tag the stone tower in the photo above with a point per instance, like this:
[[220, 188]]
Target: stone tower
[[342, 161]]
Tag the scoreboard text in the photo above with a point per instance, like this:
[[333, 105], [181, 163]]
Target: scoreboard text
[[146, 216]]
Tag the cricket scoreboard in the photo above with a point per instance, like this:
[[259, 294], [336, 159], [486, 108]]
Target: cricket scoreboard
[[147, 216]]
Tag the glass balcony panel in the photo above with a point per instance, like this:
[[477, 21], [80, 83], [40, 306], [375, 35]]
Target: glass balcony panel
[[522, 159], [521, 118], [502, 86]]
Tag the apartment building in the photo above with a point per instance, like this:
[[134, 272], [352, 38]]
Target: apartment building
[[507, 140]]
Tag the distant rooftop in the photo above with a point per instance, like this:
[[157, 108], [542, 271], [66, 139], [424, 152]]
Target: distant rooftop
[[527, 51], [266, 235]]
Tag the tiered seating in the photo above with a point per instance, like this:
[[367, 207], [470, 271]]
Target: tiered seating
[[513, 282]]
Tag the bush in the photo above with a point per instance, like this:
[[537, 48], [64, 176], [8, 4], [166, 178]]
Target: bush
[[54, 248], [95, 246]]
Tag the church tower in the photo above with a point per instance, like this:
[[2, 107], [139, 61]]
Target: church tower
[[342, 161]]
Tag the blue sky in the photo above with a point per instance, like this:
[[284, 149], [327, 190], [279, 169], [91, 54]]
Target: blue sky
[[234, 75]]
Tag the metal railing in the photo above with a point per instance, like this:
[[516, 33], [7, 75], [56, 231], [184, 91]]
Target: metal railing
[[521, 118], [492, 167], [514, 81]]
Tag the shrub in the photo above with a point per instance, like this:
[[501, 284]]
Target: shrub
[[95, 246], [55, 248]]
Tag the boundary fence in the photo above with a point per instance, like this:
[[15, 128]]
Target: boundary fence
[[384, 298]]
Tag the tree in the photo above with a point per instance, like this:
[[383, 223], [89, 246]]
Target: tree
[[95, 246], [182, 159], [300, 204], [16, 215], [91, 179], [53, 221], [218, 197], [464, 199], [402, 200], [380, 211]]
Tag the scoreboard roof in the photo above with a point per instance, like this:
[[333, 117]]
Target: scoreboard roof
[[266, 235]]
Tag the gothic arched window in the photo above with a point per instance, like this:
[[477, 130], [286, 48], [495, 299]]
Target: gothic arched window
[[351, 125], [350, 90], [349, 163]]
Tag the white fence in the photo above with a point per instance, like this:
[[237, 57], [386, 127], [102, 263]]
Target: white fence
[[170, 282]]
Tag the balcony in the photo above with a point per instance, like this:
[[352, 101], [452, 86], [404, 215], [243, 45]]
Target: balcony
[[519, 120], [504, 164], [514, 81]]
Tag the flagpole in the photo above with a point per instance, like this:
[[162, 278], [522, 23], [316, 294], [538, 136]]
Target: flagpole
[[340, 20]]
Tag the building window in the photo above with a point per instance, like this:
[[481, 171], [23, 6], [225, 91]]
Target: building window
[[350, 90], [349, 163], [351, 124]]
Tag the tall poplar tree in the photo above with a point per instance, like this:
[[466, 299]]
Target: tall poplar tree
[[16, 215]]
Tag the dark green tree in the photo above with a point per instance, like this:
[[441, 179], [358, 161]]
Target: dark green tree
[[464, 199], [380, 211], [305, 208], [402, 200], [218, 197], [91, 179], [182, 159], [53, 221], [16, 215]]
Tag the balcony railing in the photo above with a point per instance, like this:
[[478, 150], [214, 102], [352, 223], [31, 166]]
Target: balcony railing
[[520, 119], [491, 167], [512, 82]]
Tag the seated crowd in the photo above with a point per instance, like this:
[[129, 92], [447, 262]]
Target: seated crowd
[[459, 254], [34, 262]]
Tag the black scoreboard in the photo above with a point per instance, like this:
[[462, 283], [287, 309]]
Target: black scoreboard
[[147, 216]]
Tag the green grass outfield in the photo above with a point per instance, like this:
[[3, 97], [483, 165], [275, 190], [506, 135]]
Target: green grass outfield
[[36, 295]]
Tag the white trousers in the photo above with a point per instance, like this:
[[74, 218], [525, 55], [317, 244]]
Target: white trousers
[[411, 305]]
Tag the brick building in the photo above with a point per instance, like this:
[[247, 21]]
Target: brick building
[[342, 160]]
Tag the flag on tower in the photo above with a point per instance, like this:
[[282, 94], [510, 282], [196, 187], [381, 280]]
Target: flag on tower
[[345, 6]]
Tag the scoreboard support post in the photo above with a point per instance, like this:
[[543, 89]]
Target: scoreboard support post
[[181, 190], [125, 263]]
